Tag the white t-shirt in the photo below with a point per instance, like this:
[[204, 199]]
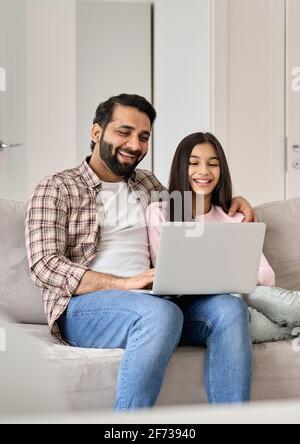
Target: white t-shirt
[[124, 249]]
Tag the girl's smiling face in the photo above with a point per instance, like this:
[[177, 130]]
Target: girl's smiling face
[[204, 169]]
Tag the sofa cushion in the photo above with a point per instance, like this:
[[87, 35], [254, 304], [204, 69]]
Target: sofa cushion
[[20, 299], [89, 377], [27, 385], [282, 245]]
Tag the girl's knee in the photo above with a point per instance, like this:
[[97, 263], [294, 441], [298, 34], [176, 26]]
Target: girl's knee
[[231, 310]]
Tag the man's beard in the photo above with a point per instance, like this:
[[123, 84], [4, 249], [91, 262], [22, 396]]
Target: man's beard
[[111, 160]]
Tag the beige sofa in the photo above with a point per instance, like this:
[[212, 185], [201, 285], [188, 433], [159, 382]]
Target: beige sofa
[[89, 376]]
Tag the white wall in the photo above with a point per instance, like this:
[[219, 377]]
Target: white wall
[[182, 82], [13, 178], [182, 75], [50, 88], [113, 55], [192, 90], [52, 94], [4, 31]]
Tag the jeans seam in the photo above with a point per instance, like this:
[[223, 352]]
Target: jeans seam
[[88, 313], [122, 397], [211, 393], [122, 393], [211, 373]]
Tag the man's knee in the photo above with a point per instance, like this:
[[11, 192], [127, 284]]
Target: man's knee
[[165, 315]]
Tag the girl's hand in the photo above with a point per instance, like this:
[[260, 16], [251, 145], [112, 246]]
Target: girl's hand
[[241, 205]]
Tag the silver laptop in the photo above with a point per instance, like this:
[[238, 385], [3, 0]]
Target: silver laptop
[[212, 258]]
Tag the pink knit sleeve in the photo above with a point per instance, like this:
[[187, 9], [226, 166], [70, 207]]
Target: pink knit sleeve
[[266, 275], [154, 219]]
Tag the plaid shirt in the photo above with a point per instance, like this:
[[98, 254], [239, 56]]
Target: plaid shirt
[[63, 231]]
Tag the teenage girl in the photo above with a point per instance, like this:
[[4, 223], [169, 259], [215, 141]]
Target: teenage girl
[[221, 323]]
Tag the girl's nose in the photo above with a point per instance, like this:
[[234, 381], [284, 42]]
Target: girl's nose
[[203, 170]]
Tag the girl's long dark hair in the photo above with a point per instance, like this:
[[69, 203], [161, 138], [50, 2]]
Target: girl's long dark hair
[[179, 176]]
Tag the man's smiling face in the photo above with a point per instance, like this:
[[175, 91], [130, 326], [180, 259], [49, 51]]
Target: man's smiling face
[[124, 142]]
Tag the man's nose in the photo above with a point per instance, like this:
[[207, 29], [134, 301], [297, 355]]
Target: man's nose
[[134, 142]]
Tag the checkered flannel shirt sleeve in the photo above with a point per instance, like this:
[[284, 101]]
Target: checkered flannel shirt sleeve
[[46, 231]]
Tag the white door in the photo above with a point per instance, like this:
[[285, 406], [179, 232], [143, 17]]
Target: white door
[[12, 100], [249, 94], [293, 99]]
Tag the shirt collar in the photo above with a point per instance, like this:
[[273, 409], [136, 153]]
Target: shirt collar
[[91, 178]]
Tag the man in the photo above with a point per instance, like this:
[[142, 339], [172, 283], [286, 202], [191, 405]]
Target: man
[[86, 257]]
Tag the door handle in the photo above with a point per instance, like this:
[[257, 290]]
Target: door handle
[[8, 145], [296, 164]]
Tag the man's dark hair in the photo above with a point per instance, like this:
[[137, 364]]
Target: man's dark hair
[[106, 109]]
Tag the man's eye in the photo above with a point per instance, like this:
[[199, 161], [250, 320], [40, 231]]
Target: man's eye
[[144, 139], [122, 133]]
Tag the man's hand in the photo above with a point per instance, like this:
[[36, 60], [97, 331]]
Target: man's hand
[[139, 282], [239, 204], [93, 281]]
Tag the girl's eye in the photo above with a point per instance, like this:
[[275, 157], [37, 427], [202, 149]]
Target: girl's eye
[[193, 164], [213, 165]]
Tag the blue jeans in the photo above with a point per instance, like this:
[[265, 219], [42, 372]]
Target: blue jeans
[[149, 328]]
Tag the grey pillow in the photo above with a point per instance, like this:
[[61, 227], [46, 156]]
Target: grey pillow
[[19, 297], [264, 330], [279, 305]]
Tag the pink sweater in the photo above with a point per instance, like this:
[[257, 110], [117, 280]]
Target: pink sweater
[[156, 215]]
